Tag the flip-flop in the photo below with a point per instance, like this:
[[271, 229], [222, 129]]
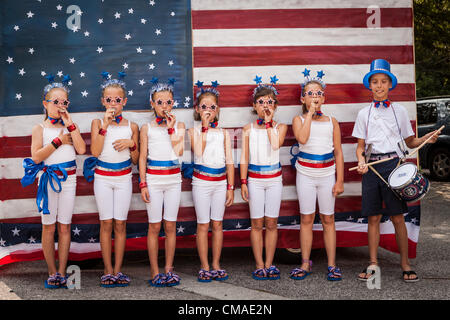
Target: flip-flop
[[295, 272], [366, 272], [54, 278], [273, 273], [108, 278], [408, 273], [204, 276], [171, 279], [157, 281], [260, 274], [334, 274], [219, 275], [123, 278]]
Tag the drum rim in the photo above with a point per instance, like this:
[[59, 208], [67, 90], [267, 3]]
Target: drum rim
[[407, 182]]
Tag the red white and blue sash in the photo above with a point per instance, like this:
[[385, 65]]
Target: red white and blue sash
[[315, 160], [92, 164], [163, 167], [209, 174], [265, 171]]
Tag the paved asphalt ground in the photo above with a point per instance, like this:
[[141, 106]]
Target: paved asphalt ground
[[25, 280]]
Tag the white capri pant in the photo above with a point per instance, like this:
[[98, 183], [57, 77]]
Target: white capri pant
[[61, 204], [209, 200], [167, 197], [113, 196], [264, 197], [311, 188]]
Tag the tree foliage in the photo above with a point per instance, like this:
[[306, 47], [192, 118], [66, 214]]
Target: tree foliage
[[432, 50]]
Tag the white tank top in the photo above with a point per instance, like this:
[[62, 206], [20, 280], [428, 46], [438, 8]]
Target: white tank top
[[113, 133], [64, 153], [320, 142], [260, 150], [213, 156], [159, 148]]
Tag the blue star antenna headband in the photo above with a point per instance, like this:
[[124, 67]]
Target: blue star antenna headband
[[108, 81], [161, 86], [52, 84], [273, 81], [308, 79], [212, 89]]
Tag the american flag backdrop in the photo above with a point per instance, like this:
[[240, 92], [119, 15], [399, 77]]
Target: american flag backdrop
[[208, 40]]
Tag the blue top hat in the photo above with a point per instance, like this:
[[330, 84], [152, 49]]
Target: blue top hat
[[380, 66]]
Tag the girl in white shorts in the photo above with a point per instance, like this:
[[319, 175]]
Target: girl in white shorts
[[213, 180], [114, 147], [260, 160], [319, 159], [162, 144], [54, 145]]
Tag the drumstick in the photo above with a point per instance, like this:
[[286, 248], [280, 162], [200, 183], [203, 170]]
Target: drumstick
[[423, 143], [371, 163]]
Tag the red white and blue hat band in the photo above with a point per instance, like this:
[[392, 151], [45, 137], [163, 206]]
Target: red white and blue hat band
[[264, 171], [163, 167], [209, 174], [315, 160]]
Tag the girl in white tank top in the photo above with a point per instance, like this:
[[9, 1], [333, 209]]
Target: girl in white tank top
[[114, 145], [54, 145], [318, 160], [260, 162], [212, 181], [162, 145]]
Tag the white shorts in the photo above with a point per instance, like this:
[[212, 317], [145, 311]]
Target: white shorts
[[61, 204], [311, 188], [167, 197], [113, 196], [264, 197], [209, 201]]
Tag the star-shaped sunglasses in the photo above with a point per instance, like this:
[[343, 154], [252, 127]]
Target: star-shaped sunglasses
[[204, 107], [160, 102], [57, 102], [269, 102], [111, 99], [311, 93]]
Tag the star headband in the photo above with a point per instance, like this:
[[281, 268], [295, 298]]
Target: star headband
[[273, 81], [212, 89], [309, 78], [157, 86], [64, 84], [108, 81]]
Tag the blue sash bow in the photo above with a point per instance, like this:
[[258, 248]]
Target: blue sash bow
[[49, 176]]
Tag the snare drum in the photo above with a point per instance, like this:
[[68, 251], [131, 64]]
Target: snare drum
[[408, 182]]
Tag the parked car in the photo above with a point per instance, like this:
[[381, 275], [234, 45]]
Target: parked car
[[432, 113]]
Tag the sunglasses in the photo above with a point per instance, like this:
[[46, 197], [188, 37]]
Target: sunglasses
[[311, 93], [160, 102], [204, 107], [269, 102], [57, 102], [116, 99]]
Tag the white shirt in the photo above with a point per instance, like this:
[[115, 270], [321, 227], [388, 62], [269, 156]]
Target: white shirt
[[381, 130]]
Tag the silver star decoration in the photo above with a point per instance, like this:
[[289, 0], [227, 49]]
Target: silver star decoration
[[127, 36], [10, 60], [153, 52], [117, 15], [100, 21], [187, 98], [59, 7], [143, 21], [99, 49], [180, 229], [43, 73], [2, 242], [75, 29], [151, 66], [238, 226], [92, 240], [158, 32], [54, 25], [130, 92], [125, 65], [32, 240], [31, 50], [139, 50], [30, 14], [142, 82], [76, 231], [82, 74], [84, 93], [130, 11], [59, 74], [72, 60], [22, 71], [172, 14], [79, 12], [18, 96], [15, 232], [152, 3], [16, 28], [86, 33], [171, 63]]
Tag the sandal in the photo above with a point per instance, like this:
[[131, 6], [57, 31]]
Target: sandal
[[108, 281], [296, 273], [366, 272], [122, 280], [63, 281], [157, 281], [171, 279], [409, 273], [273, 273], [260, 274], [219, 275], [53, 281], [334, 274], [204, 276]]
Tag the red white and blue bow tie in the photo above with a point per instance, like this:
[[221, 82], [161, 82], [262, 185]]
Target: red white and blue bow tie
[[213, 124], [55, 121], [386, 103], [260, 121], [319, 113], [118, 118], [160, 120]]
